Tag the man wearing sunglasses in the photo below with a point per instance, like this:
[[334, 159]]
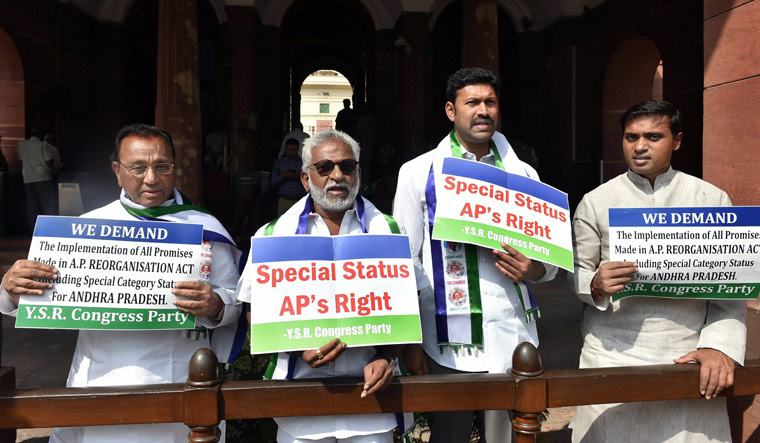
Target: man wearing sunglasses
[[501, 310], [143, 162], [331, 174]]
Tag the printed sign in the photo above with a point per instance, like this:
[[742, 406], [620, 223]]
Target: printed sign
[[112, 274], [483, 205], [708, 253], [308, 290]]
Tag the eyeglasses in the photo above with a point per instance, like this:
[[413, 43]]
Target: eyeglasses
[[325, 167], [139, 170]]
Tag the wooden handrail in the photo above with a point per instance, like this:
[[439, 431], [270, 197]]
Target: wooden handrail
[[203, 401]]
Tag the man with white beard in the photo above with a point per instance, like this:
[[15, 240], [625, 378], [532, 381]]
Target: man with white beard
[[330, 174]]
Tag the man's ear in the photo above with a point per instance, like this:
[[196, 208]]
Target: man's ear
[[115, 166], [677, 141], [305, 180], [450, 111]]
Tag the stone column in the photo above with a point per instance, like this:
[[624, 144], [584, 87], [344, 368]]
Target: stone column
[[411, 47], [730, 161], [480, 34], [241, 21], [177, 90]]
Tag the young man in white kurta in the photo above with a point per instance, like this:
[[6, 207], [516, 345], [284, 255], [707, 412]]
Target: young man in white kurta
[[647, 330], [504, 323], [116, 358]]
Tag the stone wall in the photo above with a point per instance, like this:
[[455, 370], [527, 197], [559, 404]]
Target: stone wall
[[731, 122]]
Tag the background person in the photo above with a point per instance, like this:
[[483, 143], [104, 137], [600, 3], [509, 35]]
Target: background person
[[36, 168], [286, 177]]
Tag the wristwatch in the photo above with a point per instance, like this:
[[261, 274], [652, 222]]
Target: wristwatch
[[219, 316]]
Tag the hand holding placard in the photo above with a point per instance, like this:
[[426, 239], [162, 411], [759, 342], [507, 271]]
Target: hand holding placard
[[22, 278], [203, 301], [612, 277], [329, 353], [516, 266]]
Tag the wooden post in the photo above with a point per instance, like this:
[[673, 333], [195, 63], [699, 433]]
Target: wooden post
[[201, 399], [530, 392]]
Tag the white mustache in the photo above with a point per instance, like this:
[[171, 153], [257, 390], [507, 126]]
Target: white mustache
[[339, 185]]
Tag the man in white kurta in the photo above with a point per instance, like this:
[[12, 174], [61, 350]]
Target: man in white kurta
[[115, 358], [37, 170], [647, 330], [505, 299], [332, 207]]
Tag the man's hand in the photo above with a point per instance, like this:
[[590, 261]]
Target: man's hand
[[378, 374], [323, 355], [716, 371], [516, 266], [203, 302], [291, 175], [612, 277], [20, 278], [414, 360]]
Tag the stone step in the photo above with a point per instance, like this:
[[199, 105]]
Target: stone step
[[15, 242], [13, 254]]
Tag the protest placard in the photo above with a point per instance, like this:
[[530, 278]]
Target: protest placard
[[704, 253], [483, 205], [308, 290], [112, 274]]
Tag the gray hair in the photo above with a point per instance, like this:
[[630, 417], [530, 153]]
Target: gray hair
[[323, 137]]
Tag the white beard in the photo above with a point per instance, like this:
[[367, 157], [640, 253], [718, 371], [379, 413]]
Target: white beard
[[323, 201]]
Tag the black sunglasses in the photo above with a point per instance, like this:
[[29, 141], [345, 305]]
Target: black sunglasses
[[325, 167]]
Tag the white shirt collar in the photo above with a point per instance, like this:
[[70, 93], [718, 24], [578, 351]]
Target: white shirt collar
[[175, 198]]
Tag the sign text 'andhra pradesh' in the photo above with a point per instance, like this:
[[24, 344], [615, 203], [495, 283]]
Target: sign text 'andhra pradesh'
[[112, 274], [708, 252], [483, 205], [308, 290]]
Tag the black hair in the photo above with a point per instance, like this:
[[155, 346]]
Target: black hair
[[470, 76], [292, 141], [654, 108], [140, 130]]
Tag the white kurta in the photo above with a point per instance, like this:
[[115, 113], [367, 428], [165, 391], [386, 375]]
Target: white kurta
[[352, 361], [33, 156], [648, 330], [116, 358], [504, 324]]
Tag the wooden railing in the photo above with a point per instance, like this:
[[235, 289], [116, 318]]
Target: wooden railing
[[203, 401]]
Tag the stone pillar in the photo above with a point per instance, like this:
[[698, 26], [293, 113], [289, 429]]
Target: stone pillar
[[177, 89], [480, 34], [411, 47], [12, 99], [241, 21], [730, 161]]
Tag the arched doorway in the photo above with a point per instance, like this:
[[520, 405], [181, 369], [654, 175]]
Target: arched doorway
[[12, 99], [634, 74], [322, 94], [327, 35]]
